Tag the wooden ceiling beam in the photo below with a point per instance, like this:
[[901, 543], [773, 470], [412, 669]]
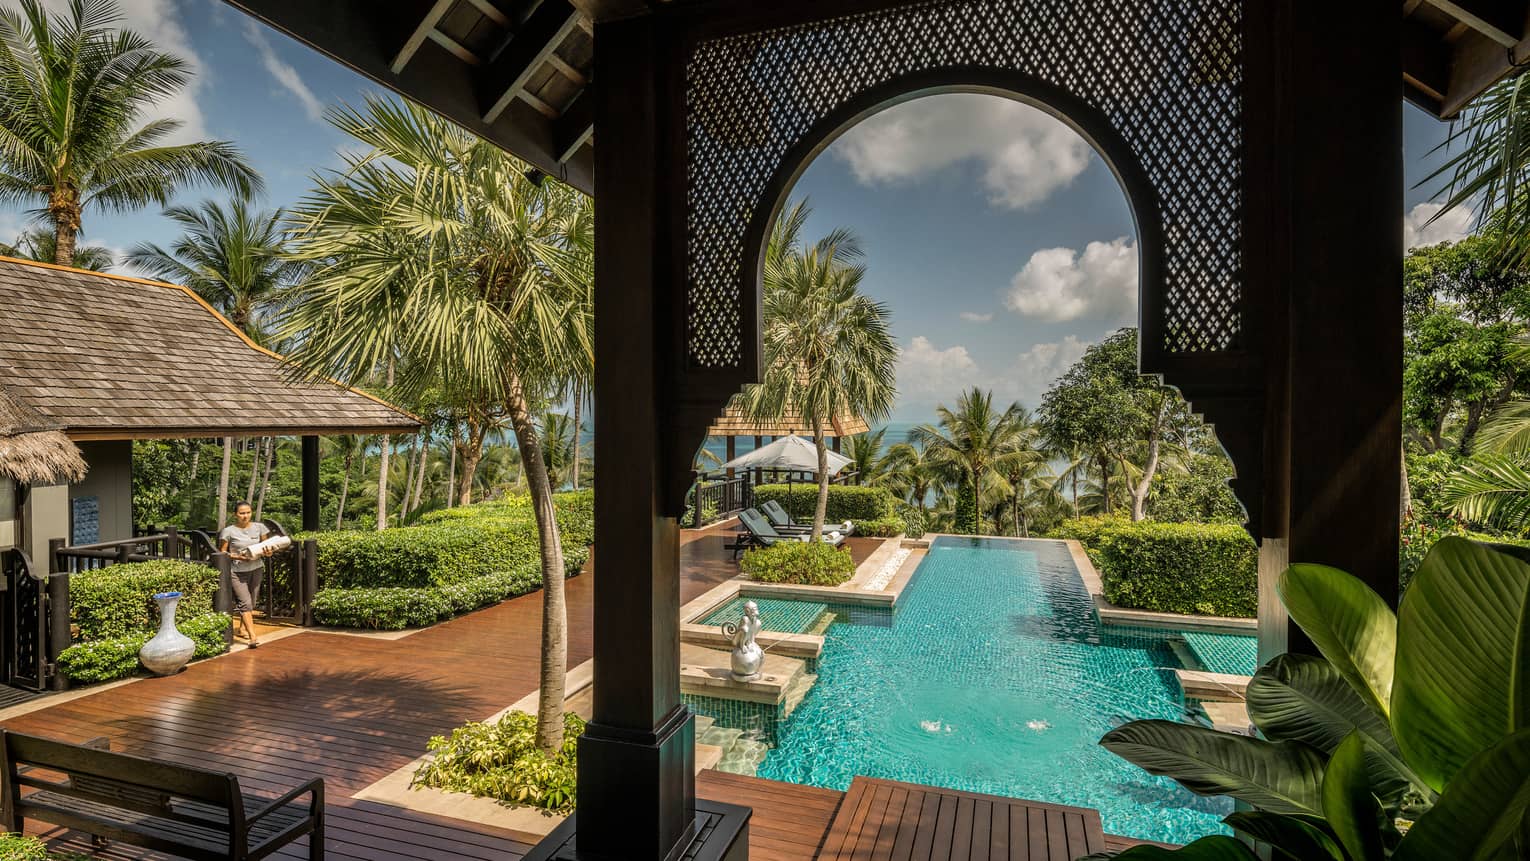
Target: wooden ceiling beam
[[527, 51], [577, 125], [422, 32], [1503, 23], [1476, 64], [1426, 60]]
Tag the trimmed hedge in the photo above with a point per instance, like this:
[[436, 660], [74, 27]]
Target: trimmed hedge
[[117, 657], [805, 563], [1208, 569], [453, 561], [118, 600], [846, 502]]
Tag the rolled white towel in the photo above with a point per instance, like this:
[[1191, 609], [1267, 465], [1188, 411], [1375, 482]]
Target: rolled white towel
[[847, 527], [832, 536], [275, 543], [804, 538]]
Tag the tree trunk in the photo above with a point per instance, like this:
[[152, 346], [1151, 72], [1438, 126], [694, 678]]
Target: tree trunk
[[472, 454], [194, 485], [403, 507], [345, 488], [821, 510], [554, 612], [977, 502], [578, 404], [265, 479], [64, 210], [382, 465], [228, 457], [255, 458], [419, 479], [1140, 493], [1104, 480], [1014, 511], [451, 468], [1405, 500], [1075, 490]]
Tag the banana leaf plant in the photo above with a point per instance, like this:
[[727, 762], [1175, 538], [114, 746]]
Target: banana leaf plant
[[1409, 739]]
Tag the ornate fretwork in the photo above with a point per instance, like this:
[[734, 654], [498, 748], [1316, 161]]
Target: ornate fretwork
[[1164, 74]]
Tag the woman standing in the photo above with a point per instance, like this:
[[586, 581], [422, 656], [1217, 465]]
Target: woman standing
[[236, 539]]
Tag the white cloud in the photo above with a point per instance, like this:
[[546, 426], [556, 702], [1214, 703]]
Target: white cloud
[[1453, 226], [975, 317], [1026, 154], [1035, 369], [926, 371], [1059, 284], [284, 73]]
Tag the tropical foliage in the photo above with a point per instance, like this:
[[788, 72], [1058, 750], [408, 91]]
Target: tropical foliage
[[502, 760], [1408, 738]]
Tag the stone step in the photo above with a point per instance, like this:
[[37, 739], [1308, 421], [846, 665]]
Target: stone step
[[703, 723]]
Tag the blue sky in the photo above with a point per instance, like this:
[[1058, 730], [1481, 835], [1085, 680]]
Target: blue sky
[[1000, 241]]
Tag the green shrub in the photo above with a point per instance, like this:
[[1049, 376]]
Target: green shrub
[[1088, 531], [805, 563], [1193, 568], [118, 600], [114, 658], [453, 545], [885, 527], [846, 502], [913, 521], [19, 847], [966, 510], [386, 609], [500, 760]]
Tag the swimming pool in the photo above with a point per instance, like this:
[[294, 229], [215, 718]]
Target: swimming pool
[[992, 676]]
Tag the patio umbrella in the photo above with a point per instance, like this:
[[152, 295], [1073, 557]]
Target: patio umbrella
[[792, 453]]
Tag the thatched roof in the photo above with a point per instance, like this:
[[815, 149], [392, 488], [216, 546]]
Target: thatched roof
[[33, 448], [112, 357]]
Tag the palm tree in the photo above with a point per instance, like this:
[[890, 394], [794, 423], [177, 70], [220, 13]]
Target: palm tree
[[72, 90], [872, 467], [233, 256], [559, 443], [828, 350], [973, 439], [42, 246], [436, 247], [914, 476]]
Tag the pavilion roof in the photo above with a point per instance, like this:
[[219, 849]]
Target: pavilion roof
[[736, 422], [518, 73], [99, 356], [34, 448]]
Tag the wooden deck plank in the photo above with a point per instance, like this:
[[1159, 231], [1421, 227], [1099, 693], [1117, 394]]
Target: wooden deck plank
[[961, 832], [924, 842], [908, 825]]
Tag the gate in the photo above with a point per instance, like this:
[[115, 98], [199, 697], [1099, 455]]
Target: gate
[[27, 663]]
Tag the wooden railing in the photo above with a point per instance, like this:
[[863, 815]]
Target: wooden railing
[[715, 500], [194, 546]]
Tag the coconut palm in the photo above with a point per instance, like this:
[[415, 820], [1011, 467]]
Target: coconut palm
[[437, 248], [974, 439], [914, 476], [559, 444], [873, 467], [73, 89], [828, 350], [42, 246], [233, 256]]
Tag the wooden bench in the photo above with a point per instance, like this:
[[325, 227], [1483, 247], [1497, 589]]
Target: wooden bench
[[161, 806]]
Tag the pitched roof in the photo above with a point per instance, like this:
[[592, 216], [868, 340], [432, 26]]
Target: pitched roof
[[736, 422], [110, 357], [34, 448]]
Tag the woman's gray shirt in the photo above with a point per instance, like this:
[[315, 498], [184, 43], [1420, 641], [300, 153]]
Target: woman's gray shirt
[[241, 539]]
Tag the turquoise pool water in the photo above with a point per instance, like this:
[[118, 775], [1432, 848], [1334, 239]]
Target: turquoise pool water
[[992, 676], [1224, 653]]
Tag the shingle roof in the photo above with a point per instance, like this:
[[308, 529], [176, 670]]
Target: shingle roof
[[111, 357], [736, 422]]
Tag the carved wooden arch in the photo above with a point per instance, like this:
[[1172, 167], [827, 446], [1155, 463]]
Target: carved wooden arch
[[1158, 96]]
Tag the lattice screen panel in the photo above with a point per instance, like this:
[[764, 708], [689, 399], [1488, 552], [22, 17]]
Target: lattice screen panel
[[1164, 73]]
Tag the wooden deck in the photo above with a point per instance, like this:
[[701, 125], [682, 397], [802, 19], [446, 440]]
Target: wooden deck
[[354, 709], [884, 819]]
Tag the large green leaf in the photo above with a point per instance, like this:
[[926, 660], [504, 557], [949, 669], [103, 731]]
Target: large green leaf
[[1348, 805], [1215, 848], [1482, 812], [1281, 777], [1461, 659], [1288, 836], [1303, 698], [1349, 623]]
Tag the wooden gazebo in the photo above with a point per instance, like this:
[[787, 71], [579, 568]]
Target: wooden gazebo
[[1259, 143], [735, 422]]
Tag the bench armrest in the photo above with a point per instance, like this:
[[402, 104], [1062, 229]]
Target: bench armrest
[[315, 802]]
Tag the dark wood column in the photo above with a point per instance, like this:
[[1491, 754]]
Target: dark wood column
[[310, 483], [1325, 197]]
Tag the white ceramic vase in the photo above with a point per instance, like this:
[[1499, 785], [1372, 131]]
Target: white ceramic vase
[[169, 650]]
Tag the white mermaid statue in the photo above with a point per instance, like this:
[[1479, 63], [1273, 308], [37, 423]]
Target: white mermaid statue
[[747, 657]]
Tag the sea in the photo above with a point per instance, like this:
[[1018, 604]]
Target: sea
[[896, 432]]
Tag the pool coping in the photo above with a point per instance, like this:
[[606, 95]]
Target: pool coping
[[1110, 614]]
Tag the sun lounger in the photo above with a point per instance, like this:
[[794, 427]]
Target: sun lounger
[[759, 533], [783, 521]]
